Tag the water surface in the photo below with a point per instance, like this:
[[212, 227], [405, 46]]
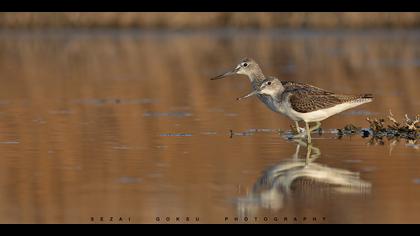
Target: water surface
[[127, 124]]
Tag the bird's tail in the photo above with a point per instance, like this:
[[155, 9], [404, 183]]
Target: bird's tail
[[364, 98], [367, 95], [360, 99]]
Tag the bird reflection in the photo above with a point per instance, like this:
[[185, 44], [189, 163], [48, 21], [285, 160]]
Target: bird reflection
[[277, 183]]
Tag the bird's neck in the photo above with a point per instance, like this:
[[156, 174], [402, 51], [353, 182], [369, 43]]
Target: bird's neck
[[256, 77]]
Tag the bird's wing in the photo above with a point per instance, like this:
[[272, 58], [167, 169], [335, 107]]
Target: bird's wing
[[306, 102], [291, 85]]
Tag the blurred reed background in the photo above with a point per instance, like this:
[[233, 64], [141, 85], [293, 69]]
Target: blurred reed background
[[210, 20]]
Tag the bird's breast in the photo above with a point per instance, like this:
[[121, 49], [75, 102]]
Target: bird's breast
[[271, 103]]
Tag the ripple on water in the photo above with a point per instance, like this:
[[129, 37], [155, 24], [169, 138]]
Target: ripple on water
[[176, 135], [121, 147], [209, 133], [61, 112], [129, 180], [264, 130], [104, 101], [252, 131], [9, 142], [216, 110], [162, 114], [352, 161]]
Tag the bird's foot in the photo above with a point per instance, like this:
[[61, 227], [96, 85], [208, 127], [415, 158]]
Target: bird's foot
[[300, 135], [297, 130], [302, 130]]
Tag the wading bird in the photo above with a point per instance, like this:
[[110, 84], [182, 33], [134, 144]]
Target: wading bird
[[298, 101], [306, 103]]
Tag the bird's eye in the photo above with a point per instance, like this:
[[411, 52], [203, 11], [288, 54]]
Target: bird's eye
[[245, 64], [269, 83]]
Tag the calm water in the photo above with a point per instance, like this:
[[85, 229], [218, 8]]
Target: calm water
[[127, 124]]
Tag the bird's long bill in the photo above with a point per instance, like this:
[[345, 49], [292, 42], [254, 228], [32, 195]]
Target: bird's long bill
[[233, 72], [248, 95]]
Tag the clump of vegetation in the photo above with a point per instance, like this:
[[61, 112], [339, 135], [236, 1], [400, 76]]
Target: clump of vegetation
[[407, 128], [348, 130], [390, 128]]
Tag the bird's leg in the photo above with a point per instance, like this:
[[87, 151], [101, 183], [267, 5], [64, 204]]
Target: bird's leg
[[308, 152], [312, 153], [297, 127], [298, 133], [308, 132], [318, 124], [296, 155], [316, 152]]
